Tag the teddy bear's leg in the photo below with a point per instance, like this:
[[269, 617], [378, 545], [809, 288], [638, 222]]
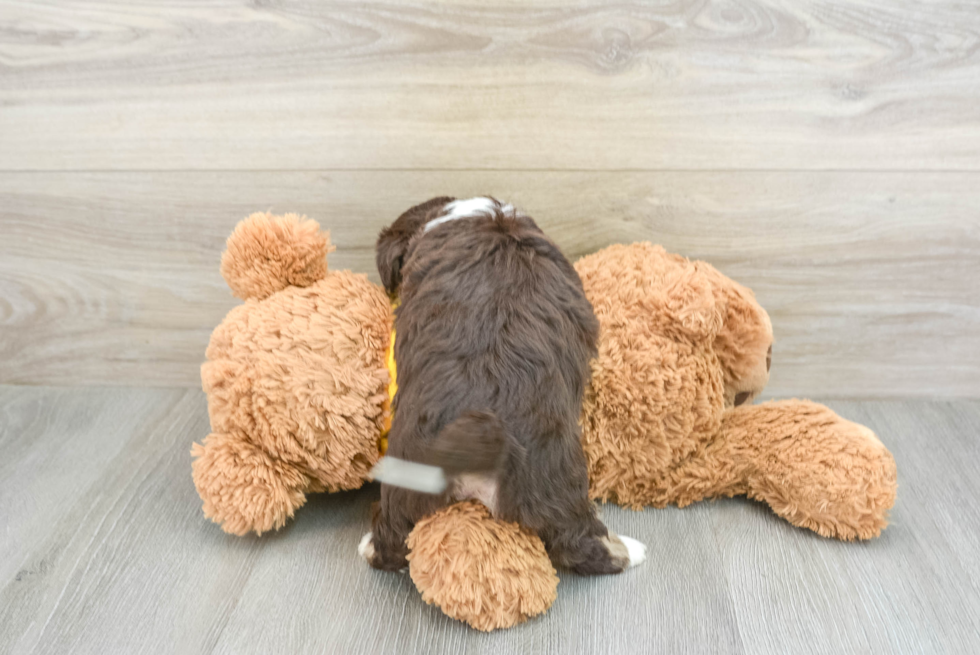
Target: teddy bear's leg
[[812, 467], [489, 573], [243, 488]]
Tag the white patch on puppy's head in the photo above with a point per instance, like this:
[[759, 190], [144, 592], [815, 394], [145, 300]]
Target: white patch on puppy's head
[[470, 208]]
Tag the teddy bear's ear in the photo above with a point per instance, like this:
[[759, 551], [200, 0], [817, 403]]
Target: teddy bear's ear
[[690, 302], [744, 343], [268, 253]]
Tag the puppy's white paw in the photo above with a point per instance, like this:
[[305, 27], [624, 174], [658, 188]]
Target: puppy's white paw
[[637, 550], [366, 549]]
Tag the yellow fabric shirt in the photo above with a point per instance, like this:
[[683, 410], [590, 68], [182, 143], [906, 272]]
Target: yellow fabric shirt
[[392, 387]]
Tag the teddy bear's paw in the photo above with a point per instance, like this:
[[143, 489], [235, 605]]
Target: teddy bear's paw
[[243, 488], [489, 573]]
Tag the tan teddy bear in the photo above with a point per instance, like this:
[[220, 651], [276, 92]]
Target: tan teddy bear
[[296, 377], [682, 350], [297, 383]]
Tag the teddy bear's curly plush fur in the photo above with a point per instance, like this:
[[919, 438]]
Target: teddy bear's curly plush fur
[[296, 377], [680, 345], [297, 382], [491, 574]]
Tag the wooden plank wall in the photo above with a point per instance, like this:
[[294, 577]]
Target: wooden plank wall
[[826, 153]]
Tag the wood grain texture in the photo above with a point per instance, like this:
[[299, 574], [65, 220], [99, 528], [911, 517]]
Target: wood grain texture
[[106, 550], [915, 589], [870, 278], [294, 84]]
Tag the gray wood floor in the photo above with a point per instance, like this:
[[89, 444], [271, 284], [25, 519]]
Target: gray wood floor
[[105, 550]]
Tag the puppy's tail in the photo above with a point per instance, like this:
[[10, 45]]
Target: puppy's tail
[[476, 442]]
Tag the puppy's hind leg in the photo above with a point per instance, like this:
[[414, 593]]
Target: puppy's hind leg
[[470, 451], [637, 550], [596, 553], [384, 547]]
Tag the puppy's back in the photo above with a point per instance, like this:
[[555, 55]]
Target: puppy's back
[[493, 318]]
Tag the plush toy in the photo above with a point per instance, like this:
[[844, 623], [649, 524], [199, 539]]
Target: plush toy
[[667, 419], [296, 377], [298, 386]]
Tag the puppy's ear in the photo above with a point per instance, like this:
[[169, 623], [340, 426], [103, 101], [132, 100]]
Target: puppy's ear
[[390, 255], [392, 246]]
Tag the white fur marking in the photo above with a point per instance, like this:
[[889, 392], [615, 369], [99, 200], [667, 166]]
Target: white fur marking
[[469, 208], [366, 549], [477, 487], [636, 550]]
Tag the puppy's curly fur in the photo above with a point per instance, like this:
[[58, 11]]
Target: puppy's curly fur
[[495, 336]]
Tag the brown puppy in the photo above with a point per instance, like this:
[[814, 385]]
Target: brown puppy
[[494, 341]]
